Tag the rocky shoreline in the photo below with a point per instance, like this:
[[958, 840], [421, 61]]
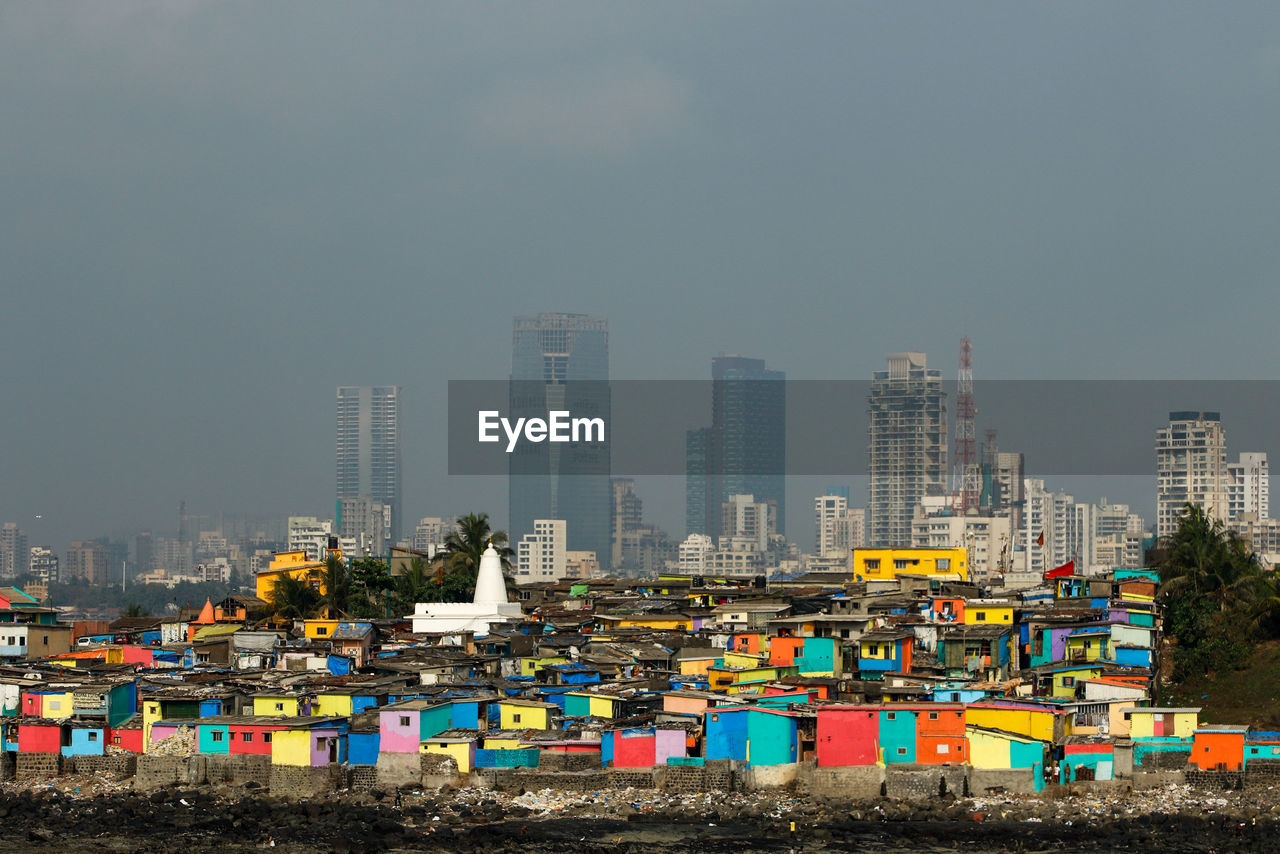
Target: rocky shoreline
[[102, 815]]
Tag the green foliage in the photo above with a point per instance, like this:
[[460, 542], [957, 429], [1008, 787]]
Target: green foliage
[[1215, 596], [135, 610], [371, 584], [295, 598], [464, 545]]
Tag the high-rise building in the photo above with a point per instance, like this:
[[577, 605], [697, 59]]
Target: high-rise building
[[561, 362], [744, 517], [1191, 468], [428, 535], [368, 447], [1045, 536], [839, 527], [1249, 486], [367, 523], [628, 515], [88, 562], [1003, 474], [907, 453], [143, 553], [15, 553], [541, 555], [44, 565], [744, 450]]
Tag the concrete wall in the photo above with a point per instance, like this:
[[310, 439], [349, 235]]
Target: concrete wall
[[304, 781], [37, 766], [437, 769], [851, 782], [771, 776], [156, 771], [1018, 781], [922, 782], [121, 766], [239, 768], [399, 769], [1157, 779]]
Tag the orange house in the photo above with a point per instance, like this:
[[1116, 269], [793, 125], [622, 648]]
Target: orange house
[[752, 643], [782, 651], [940, 733], [948, 609], [1219, 748]]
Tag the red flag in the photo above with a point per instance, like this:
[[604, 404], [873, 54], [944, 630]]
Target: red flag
[[1040, 539], [1068, 568], [440, 576]]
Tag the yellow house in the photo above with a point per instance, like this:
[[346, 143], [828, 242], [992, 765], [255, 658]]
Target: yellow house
[[332, 703], [319, 629], [747, 680], [1163, 722], [1089, 644], [57, 706], [294, 565], [291, 747], [744, 659], [697, 666], [1019, 718], [1065, 679], [525, 714], [885, 564], [281, 705], [530, 665], [461, 748], [499, 740], [653, 622], [984, 612], [581, 704]]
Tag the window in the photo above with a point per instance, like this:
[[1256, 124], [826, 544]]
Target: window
[[873, 563], [891, 716], [217, 735], [980, 616], [1068, 681], [902, 751], [55, 705], [322, 630], [266, 738], [279, 707], [319, 744], [93, 736], [944, 563], [515, 719], [22, 640], [246, 736], [115, 739], [404, 720], [933, 716], [901, 563], [944, 748]]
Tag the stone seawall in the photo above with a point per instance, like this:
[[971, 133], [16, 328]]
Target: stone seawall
[[121, 766], [37, 766]]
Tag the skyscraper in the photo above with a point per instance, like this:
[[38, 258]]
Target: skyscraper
[[561, 362], [368, 451], [1191, 468], [743, 452], [907, 453], [15, 554]]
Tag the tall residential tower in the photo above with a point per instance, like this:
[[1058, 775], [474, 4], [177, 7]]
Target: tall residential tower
[[907, 452], [369, 447], [561, 362], [1191, 468]]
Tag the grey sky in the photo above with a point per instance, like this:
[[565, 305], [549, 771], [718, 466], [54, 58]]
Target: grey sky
[[211, 214]]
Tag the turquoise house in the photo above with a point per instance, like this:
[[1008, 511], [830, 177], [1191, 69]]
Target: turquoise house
[[209, 743], [898, 735], [753, 736]]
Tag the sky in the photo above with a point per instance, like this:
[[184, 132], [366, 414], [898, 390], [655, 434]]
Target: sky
[[214, 213]]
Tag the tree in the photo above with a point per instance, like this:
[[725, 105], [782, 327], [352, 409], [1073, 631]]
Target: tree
[[1211, 585], [136, 610], [336, 582], [371, 583], [464, 545], [294, 598]]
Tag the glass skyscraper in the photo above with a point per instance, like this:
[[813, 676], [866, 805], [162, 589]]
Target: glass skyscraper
[[369, 447], [744, 450], [561, 362]]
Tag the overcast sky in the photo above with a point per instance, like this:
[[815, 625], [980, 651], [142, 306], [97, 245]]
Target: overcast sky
[[213, 213]]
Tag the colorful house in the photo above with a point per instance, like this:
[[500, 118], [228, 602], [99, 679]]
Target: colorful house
[[458, 743], [1219, 748], [525, 714], [752, 735], [1163, 722], [581, 704], [1087, 758], [1089, 644], [642, 747], [405, 725], [285, 704], [885, 651], [1035, 721], [848, 735], [293, 564], [1004, 750], [885, 564], [986, 612], [310, 742]]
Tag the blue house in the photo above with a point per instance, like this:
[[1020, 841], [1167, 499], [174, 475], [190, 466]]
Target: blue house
[[751, 735]]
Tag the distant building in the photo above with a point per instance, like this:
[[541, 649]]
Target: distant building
[[839, 527], [368, 448], [428, 535], [907, 453], [87, 561], [561, 362], [366, 523], [1044, 538], [542, 555], [581, 565], [44, 565], [988, 541], [695, 553], [144, 552], [886, 564], [1191, 468], [744, 517], [743, 452], [628, 516], [15, 552], [1249, 486]]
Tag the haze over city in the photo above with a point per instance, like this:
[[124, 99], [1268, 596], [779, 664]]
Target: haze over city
[[215, 213]]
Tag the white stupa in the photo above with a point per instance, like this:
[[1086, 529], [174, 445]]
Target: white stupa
[[488, 606]]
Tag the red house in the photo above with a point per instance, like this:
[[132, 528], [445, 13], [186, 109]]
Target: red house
[[848, 735], [39, 736], [127, 736]]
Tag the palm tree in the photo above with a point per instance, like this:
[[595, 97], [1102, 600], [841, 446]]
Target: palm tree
[[471, 535], [135, 610], [336, 582], [294, 598], [417, 584], [1202, 558]]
